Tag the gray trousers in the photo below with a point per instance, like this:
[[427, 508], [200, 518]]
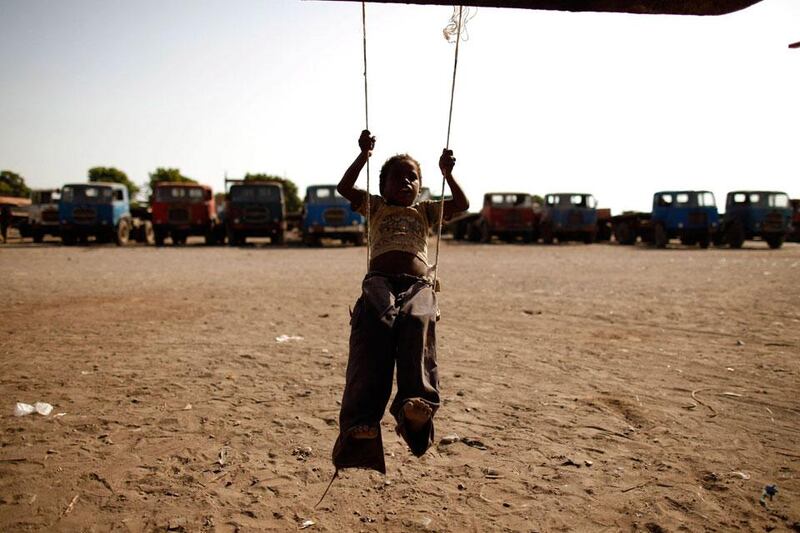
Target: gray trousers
[[393, 323]]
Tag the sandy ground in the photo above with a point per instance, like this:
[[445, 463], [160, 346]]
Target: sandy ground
[[600, 388]]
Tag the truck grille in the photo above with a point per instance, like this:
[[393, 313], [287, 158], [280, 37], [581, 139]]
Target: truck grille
[[575, 218], [773, 222], [50, 215], [84, 215], [334, 217], [179, 215], [256, 215], [698, 218]]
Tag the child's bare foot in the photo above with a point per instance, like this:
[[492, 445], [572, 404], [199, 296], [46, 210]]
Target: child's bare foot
[[416, 414], [364, 432]]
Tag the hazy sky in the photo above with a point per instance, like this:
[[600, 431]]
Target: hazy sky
[[612, 104]]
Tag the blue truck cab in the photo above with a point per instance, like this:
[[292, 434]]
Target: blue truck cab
[[765, 215], [327, 214], [690, 216], [99, 210], [569, 217]]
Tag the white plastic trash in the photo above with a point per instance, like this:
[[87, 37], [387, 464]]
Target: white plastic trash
[[23, 409], [43, 408]]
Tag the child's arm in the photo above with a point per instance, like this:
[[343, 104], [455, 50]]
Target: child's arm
[[459, 202], [347, 186]]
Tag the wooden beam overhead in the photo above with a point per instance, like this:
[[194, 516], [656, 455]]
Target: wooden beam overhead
[[646, 7]]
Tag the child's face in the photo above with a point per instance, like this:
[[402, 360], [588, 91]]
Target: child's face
[[402, 183]]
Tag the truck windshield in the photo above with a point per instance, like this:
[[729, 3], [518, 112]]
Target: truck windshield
[[180, 194], [325, 195], [87, 194], [685, 199], [45, 197], [510, 200], [255, 193], [572, 200], [760, 199]]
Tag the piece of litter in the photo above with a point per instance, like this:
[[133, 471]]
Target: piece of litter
[[23, 409], [307, 524], [741, 475], [474, 443], [59, 414], [729, 369], [188, 407], [43, 408], [287, 338], [733, 394], [449, 439]]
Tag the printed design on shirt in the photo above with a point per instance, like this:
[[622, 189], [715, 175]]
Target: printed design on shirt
[[402, 227]]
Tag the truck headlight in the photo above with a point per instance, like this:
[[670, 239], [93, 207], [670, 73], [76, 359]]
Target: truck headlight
[[235, 220], [680, 225]]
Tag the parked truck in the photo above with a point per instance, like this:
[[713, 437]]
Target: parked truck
[[690, 216], [505, 215], [326, 214], [102, 211], [794, 235], [569, 217], [749, 215], [42, 217], [254, 209], [184, 209]]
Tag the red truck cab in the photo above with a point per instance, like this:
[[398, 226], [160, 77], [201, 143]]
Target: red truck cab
[[183, 209], [508, 215]]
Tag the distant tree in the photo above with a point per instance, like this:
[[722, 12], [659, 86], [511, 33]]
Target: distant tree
[[171, 175], [113, 175], [293, 202], [537, 199], [12, 184]]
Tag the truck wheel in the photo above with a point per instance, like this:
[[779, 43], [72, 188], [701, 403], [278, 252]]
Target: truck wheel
[[148, 233], [123, 233], [775, 241], [38, 236], [485, 232], [704, 241], [158, 237], [735, 235], [589, 238], [210, 238], [359, 240], [623, 233], [277, 239], [660, 237], [547, 234], [527, 237]]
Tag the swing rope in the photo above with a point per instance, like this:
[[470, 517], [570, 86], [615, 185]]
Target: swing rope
[[366, 122], [447, 145]]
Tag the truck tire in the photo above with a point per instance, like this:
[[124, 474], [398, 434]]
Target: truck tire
[[359, 240], [660, 237], [774, 241], [589, 238], [148, 233], [38, 236], [210, 237], [734, 235], [705, 240], [158, 237], [547, 234], [277, 239], [623, 234], [123, 233], [485, 232]]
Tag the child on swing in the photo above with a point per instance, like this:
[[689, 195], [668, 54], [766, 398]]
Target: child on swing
[[393, 322]]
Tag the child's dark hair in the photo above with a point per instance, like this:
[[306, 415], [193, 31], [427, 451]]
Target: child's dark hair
[[390, 163]]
